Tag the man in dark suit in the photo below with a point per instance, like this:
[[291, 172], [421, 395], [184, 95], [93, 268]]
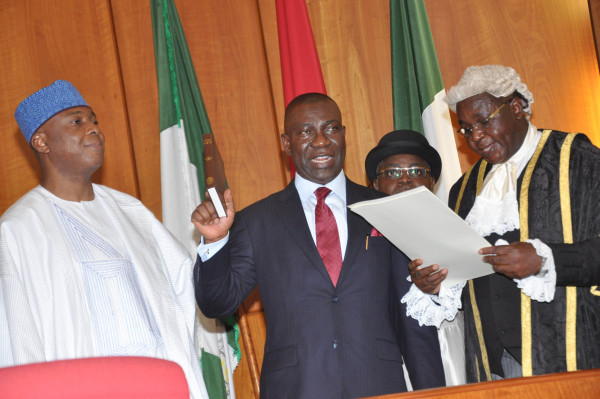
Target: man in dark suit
[[331, 332]]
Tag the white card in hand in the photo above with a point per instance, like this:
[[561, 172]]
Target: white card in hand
[[214, 197]]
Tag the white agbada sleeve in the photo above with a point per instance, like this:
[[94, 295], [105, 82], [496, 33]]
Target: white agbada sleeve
[[20, 341], [6, 358], [178, 269], [180, 326]]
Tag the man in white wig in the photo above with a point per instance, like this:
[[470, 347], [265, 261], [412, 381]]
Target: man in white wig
[[535, 196], [85, 270]]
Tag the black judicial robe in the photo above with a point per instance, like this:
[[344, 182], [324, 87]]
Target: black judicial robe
[[559, 203]]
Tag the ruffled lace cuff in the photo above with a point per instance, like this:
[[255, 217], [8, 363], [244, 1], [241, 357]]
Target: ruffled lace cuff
[[432, 310], [540, 287]]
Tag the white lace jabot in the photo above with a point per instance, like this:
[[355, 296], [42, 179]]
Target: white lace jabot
[[496, 209]]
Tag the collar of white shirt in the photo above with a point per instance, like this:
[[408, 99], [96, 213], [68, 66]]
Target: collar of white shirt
[[306, 188]]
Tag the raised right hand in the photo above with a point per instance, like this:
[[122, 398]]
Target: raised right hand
[[426, 278], [208, 223]]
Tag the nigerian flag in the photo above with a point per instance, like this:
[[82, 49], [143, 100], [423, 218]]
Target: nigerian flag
[[418, 89], [185, 139]]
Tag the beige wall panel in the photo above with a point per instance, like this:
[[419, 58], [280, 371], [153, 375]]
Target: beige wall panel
[[549, 42], [42, 41]]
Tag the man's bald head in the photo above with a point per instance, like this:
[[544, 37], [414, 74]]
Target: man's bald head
[[303, 99]]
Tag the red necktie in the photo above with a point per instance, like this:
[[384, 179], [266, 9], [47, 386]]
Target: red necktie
[[328, 238]]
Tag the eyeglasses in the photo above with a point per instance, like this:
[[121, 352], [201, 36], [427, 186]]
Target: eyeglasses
[[412, 172], [466, 132]]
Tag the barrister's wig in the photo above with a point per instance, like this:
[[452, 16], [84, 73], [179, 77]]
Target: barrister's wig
[[497, 80], [42, 105]]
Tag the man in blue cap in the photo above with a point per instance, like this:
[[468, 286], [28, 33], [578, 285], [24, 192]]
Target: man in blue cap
[[85, 270]]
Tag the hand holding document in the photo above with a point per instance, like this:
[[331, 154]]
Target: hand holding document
[[422, 226]]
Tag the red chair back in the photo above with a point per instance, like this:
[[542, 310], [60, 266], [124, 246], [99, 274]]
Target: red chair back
[[101, 377]]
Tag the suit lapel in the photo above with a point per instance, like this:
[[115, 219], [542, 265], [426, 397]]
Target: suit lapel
[[291, 213], [358, 229]]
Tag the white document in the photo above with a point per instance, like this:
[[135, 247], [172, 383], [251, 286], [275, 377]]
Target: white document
[[422, 226]]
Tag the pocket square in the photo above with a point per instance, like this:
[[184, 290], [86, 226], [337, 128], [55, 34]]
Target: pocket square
[[375, 233]]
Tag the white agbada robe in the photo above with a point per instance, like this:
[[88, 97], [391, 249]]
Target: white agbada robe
[[94, 278]]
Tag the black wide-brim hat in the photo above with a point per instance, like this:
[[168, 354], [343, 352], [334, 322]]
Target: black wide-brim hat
[[403, 142]]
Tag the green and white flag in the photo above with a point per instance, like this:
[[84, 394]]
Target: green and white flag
[[418, 89], [184, 127]]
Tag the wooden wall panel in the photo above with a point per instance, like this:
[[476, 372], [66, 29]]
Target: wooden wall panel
[[549, 42], [226, 45], [353, 41], [133, 30], [42, 41], [268, 22]]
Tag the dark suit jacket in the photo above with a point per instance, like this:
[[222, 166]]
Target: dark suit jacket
[[322, 341]]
